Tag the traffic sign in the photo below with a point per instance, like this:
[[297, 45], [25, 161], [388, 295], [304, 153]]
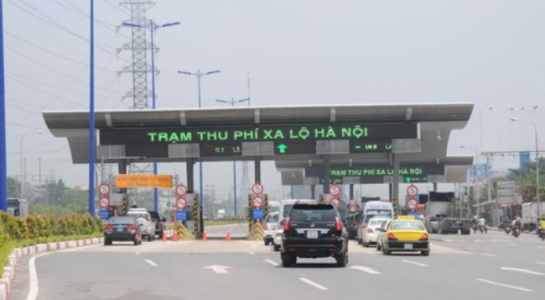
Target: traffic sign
[[181, 215], [412, 190], [181, 189], [334, 190], [257, 188], [258, 202], [104, 202], [181, 203], [412, 204], [258, 214], [104, 189], [104, 214], [336, 202]]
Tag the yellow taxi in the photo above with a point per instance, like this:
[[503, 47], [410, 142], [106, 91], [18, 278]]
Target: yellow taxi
[[404, 233]]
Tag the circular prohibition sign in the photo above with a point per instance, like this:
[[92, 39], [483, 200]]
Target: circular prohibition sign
[[258, 202], [257, 188], [181, 203], [412, 190], [181, 189], [103, 202], [104, 189]]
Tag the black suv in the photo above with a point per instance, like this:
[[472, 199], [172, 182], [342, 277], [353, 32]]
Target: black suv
[[314, 230], [159, 222]]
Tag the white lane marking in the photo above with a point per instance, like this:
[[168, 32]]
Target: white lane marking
[[33, 293], [366, 270], [488, 254], [504, 285], [314, 284], [272, 262], [414, 263], [137, 253], [218, 269], [540, 263], [251, 253], [151, 262], [522, 271]]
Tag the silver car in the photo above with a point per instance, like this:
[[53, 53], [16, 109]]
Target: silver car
[[368, 234], [143, 217], [269, 226]]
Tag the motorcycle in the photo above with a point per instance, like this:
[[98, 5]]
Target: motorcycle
[[516, 232], [541, 234], [483, 228], [507, 229]]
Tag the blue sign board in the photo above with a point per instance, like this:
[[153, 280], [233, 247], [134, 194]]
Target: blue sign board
[[524, 158], [258, 214], [104, 214], [181, 215]]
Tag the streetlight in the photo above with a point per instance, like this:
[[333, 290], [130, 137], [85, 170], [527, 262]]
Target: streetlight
[[22, 155], [3, 160], [233, 102], [488, 185], [537, 162], [152, 27], [200, 74]]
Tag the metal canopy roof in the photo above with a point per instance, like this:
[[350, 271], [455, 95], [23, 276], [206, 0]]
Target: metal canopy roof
[[436, 123]]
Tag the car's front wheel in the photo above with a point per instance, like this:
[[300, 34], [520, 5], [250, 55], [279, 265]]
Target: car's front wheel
[[107, 242], [276, 248], [150, 238], [387, 252], [425, 253], [267, 242]]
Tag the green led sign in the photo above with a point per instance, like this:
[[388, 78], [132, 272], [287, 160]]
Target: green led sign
[[370, 146], [286, 133], [287, 148], [221, 149]]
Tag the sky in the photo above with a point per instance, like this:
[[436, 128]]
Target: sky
[[490, 53]]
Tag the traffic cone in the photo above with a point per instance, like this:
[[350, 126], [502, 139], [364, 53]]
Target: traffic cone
[[228, 236], [164, 237], [204, 236], [175, 236]]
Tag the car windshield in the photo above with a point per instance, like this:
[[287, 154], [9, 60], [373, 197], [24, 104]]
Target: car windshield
[[138, 216], [376, 222], [272, 218], [313, 213], [407, 225], [121, 220]]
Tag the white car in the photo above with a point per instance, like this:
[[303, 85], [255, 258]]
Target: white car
[[369, 234], [269, 227], [277, 238], [144, 218]]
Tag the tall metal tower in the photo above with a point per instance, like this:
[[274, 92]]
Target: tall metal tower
[[140, 93]]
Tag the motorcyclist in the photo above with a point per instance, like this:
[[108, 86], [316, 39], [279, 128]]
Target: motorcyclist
[[517, 224], [481, 223], [541, 227]]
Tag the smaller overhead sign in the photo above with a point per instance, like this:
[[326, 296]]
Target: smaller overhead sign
[[104, 189], [257, 188], [334, 190], [143, 181]]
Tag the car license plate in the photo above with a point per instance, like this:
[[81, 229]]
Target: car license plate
[[119, 229], [408, 246], [312, 234]]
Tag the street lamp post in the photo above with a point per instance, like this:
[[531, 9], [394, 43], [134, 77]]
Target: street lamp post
[[3, 152], [233, 102], [487, 178], [22, 193], [152, 27], [537, 162], [200, 74]]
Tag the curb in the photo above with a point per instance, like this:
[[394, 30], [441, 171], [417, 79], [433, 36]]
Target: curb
[[9, 270]]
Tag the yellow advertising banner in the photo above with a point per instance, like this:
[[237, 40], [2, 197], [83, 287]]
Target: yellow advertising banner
[[143, 181]]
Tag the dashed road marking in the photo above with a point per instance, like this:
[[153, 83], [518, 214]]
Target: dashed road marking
[[540, 263], [151, 262], [137, 253], [314, 284], [522, 271], [272, 262], [414, 263], [488, 254], [505, 285], [366, 270], [251, 253]]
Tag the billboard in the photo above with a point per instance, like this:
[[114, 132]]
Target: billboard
[[505, 192]]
